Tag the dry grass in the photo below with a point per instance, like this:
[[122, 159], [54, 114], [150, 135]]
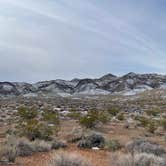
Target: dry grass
[[65, 159], [141, 159]]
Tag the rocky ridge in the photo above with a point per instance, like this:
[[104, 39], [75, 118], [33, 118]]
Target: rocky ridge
[[128, 84]]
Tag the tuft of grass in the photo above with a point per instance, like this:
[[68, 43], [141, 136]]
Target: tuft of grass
[[65, 159], [140, 159]]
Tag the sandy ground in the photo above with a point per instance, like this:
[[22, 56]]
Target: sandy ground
[[96, 157]]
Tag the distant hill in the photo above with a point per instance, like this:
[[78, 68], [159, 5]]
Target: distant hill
[[128, 84]]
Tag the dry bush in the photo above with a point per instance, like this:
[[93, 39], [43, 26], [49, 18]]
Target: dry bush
[[9, 151], [144, 146], [65, 159], [141, 159], [41, 146], [25, 147]]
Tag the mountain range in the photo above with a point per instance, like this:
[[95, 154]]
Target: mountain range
[[129, 84]]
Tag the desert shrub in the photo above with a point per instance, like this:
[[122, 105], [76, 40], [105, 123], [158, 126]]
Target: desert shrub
[[113, 145], [120, 117], [74, 115], [103, 116], [45, 132], [9, 153], [163, 123], [41, 146], [51, 117], [68, 160], [153, 112], [25, 148], [143, 121], [152, 126], [34, 129], [93, 118], [113, 111], [57, 145], [31, 127], [26, 113], [142, 145], [94, 140], [141, 159], [89, 120], [9, 150], [75, 135]]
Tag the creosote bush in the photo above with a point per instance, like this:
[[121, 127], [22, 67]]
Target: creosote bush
[[31, 127], [120, 116], [93, 118], [113, 111], [152, 126], [27, 113], [163, 123], [113, 145], [144, 122], [153, 112]]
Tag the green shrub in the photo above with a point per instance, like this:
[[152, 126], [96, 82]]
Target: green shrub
[[143, 121], [32, 128], [113, 111], [103, 116], [153, 112], [26, 113], [113, 145], [88, 121], [163, 123], [120, 117], [151, 127], [74, 115], [93, 118], [51, 117]]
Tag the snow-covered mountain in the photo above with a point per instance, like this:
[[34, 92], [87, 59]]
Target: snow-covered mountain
[[128, 84]]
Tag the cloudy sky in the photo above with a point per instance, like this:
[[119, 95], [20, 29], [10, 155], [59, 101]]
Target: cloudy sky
[[49, 39]]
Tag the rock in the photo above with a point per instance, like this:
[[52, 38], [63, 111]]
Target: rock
[[95, 148]]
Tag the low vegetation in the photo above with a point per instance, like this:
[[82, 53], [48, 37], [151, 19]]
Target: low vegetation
[[140, 159], [113, 145], [93, 118], [31, 126], [65, 159]]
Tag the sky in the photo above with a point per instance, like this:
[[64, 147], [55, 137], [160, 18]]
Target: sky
[[65, 39]]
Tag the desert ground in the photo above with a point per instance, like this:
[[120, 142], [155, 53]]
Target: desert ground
[[138, 118]]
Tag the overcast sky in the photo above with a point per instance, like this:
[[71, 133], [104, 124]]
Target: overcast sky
[[49, 39]]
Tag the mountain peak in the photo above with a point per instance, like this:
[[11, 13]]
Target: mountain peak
[[108, 76]]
